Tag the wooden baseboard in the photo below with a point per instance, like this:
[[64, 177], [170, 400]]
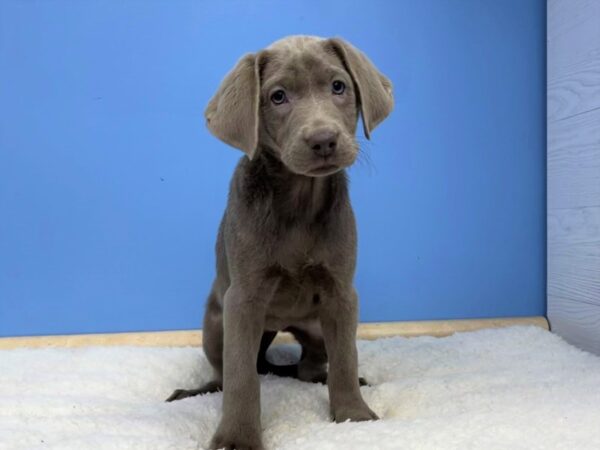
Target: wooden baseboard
[[184, 338]]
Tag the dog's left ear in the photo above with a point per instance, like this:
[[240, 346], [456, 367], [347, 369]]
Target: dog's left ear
[[232, 114], [373, 89]]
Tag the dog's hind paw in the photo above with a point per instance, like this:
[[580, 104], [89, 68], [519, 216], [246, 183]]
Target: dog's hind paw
[[322, 379], [208, 388]]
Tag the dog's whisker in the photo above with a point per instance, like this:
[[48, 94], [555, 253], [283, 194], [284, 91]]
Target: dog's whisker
[[363, 159]]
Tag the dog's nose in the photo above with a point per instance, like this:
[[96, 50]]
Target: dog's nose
[[323, 142]]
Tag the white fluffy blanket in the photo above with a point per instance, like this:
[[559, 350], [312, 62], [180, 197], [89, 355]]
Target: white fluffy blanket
[[513, 388]]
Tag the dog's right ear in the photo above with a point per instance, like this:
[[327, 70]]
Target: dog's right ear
[[232, 114]]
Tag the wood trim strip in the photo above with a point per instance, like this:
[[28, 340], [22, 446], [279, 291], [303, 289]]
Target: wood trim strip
[[369, 331]]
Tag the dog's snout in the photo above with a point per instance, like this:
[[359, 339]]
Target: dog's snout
[[323, 142]]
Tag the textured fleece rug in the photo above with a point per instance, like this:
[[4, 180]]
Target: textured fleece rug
[[512, 388]]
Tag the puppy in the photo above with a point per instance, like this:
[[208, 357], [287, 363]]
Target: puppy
[[286, 247]]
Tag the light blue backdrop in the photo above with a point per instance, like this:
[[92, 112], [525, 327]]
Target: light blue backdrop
[[111, 189]]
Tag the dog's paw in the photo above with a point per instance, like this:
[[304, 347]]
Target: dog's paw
[[179, 394], [321, 378], [208, 388], [241, 439], [231, 443], [354, 413]]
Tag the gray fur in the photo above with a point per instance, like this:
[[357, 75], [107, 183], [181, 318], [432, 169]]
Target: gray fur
[[286, 248]]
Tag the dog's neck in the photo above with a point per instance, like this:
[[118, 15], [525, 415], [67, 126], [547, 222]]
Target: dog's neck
[[294, 198]]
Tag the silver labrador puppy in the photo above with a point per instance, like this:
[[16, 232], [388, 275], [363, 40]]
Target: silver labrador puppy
[[286, 248]]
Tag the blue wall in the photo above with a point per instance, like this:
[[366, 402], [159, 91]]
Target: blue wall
[[111, 189]]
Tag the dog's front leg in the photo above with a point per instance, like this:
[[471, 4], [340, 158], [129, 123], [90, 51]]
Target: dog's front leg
[[243, 323], [338, 316]]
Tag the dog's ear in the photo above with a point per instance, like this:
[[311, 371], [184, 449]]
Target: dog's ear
[[232, 114], [373, 89]]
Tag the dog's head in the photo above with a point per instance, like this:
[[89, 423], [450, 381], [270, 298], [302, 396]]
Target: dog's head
[[301, 98]]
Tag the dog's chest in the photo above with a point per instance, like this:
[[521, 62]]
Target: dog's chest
[[299, 245], [299, 294], [306, 276]]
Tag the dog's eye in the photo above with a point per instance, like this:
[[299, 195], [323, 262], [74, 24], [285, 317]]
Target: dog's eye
[[338, 87], [278, 97]]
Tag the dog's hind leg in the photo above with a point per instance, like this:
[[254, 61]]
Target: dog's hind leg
[[212, 342], [264, 366], [312, 366], [313, 363]]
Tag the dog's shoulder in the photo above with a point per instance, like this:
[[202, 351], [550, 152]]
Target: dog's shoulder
[[251, 183]]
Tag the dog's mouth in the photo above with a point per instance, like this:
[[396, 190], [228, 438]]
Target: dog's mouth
[[323, 170]]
